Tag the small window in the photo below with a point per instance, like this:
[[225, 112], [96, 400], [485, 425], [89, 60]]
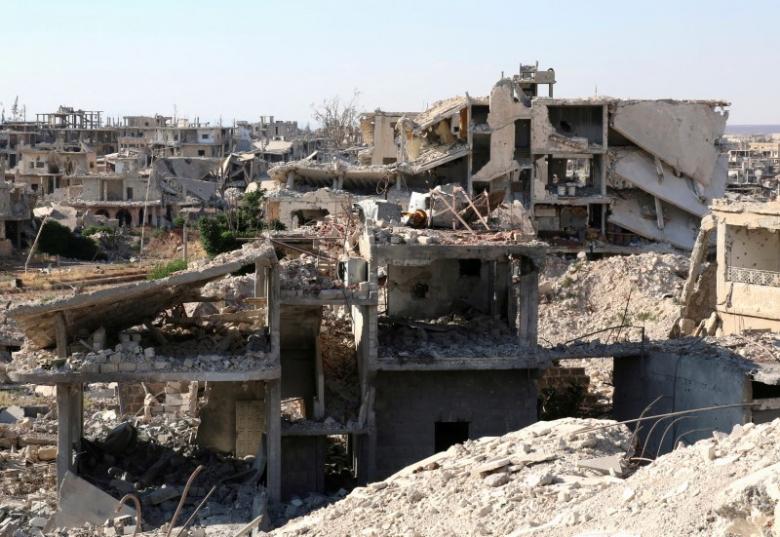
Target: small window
[[129, 193], [39, 164], [201, 153], [469, 267], [420, 290], [449, 433], [204, 136]]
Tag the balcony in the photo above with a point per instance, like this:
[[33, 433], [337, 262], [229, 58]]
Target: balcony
[[766, 278]]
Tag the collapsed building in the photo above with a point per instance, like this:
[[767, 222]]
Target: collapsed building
[[746, 270], [597, 169], [16, 204]]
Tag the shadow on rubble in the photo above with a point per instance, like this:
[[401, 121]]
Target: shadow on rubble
[[129, 462]]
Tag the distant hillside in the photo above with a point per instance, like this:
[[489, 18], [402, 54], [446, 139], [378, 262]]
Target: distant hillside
[[752, 129]]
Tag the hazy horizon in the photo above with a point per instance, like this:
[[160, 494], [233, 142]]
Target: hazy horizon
[[240, 60]]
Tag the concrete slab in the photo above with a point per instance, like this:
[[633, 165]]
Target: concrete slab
[[82, 502], [635, 212], [681, 133]]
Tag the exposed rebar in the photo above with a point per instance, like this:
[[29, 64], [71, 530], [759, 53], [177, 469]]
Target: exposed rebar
[[198, 470]]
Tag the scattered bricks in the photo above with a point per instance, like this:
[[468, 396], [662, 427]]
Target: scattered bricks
[[160, 364], [115, 358], [47, 453], [149, 352]]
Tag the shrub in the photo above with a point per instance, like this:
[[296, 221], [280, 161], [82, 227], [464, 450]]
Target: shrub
[[57, 239], [179, 221], [91, 230], [215, 235], [164, 270]]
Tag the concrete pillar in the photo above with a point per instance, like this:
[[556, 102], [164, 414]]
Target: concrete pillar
[[291, 181], [70, 402], [111, 212], [273, 420]]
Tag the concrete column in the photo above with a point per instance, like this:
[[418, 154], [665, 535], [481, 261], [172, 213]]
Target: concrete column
[[273, 431], [111, 212], [70, 426], [291, 181]]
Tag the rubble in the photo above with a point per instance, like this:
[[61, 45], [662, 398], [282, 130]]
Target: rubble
[[490, 486], [582, 297]]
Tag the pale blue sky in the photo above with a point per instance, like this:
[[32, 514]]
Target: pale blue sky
[[243, 59]]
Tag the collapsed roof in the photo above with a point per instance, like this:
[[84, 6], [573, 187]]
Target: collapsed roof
[[130, 304]]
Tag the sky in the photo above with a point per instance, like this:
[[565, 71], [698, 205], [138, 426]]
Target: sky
[[239, 60]]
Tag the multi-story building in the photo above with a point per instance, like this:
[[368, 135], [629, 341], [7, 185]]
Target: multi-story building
[[596, 169]]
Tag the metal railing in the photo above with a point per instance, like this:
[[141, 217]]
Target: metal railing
[[766, 278]]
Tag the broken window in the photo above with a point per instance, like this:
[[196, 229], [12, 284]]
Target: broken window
[[201, 153], [420, 290], [204, 136], [449, 433], [129, 193], [469, 267]]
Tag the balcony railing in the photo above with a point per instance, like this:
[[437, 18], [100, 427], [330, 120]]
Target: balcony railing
[[766, 278]]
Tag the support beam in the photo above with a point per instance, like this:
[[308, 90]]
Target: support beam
[[273, 421], [319, 398], [61, 335], [70, 426]]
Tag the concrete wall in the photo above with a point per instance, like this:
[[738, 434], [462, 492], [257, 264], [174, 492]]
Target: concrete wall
[[746, 305], [299, 329], [447, 288], [684, 382], [303, 465], [217, 430], [408, 404]]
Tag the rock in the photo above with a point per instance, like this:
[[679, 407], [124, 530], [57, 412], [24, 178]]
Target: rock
[[539, 479], [160, 364], [491, 466], [38, 522], [149, 352], [47, 453], [108, 368], [11, 414], [496, 480]]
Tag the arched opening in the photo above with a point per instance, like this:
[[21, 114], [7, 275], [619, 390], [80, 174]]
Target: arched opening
[[124, 217], [102, 212]]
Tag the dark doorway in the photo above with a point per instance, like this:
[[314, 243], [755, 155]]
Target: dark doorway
[[449, 433]]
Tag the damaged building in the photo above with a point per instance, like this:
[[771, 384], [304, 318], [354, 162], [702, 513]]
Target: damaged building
[[601, 170]]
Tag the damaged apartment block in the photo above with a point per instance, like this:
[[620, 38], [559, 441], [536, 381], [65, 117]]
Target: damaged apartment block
[[603, 171]]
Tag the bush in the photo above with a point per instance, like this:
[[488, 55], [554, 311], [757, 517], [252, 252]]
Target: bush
[[91, 230], [164, 270], [56, 239], [179, 221], [215, 235]]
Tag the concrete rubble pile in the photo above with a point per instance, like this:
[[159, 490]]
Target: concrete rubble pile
[[490, 486], [152, 458], [301, 275], [452, 335], [388, 234], [542, 480], [129, 355], [581, 297]]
